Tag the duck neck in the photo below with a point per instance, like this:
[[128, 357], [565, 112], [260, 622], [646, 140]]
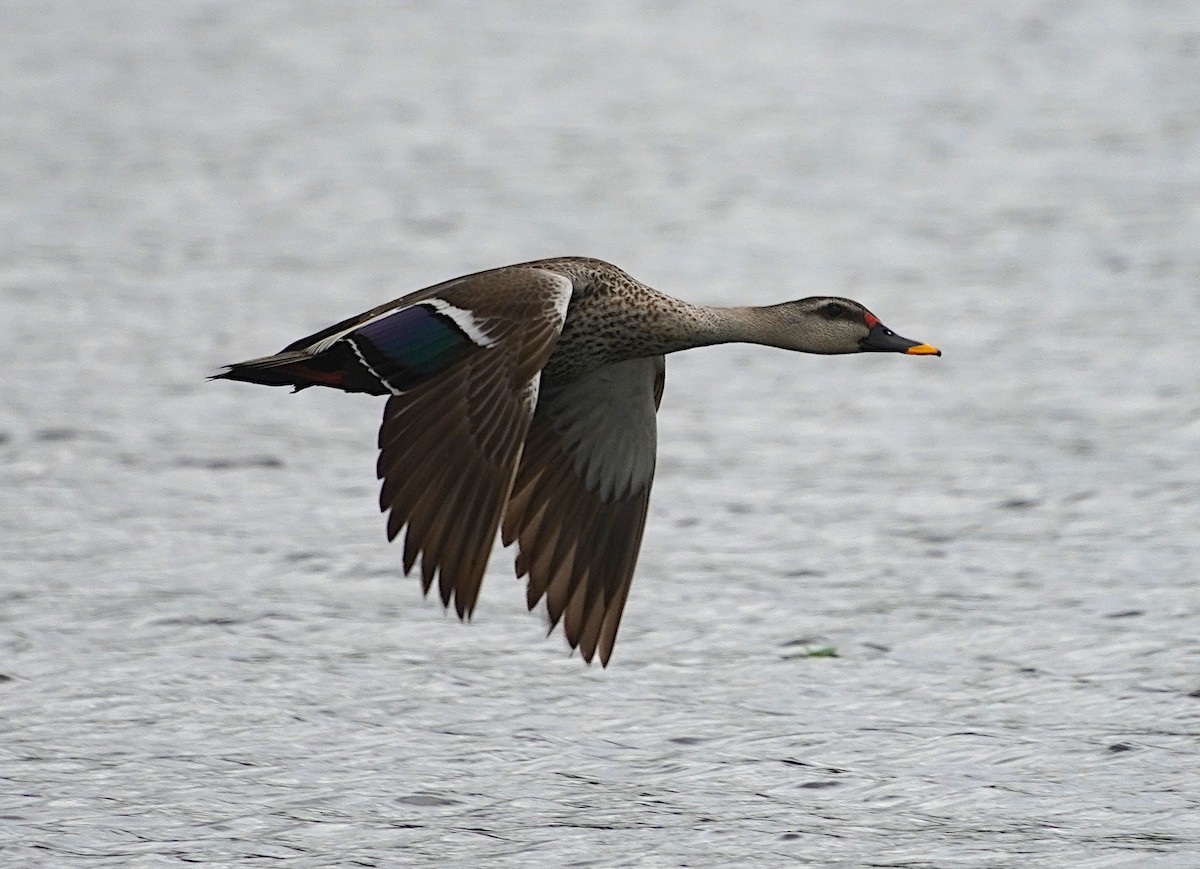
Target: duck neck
[[686, 325]]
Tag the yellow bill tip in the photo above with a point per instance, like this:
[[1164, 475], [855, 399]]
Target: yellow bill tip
[[923, 350]]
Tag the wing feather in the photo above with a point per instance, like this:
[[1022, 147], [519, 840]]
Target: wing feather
[[578, 506], [450, 445]]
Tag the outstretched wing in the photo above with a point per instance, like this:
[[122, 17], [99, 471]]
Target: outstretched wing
[[462, 365], [396, 346], [578, 507]]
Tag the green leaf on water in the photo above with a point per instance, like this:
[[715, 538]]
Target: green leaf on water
[[809, 652], [823, 652]]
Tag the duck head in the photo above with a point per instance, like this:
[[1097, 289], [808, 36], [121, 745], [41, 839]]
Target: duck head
[[831, 325]]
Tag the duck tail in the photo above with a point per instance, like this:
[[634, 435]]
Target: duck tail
[[294, 368]]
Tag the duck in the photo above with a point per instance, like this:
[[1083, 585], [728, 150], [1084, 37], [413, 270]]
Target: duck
[[522, 399]]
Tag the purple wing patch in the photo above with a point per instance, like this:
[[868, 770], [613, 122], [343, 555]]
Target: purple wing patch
[[416, 343]]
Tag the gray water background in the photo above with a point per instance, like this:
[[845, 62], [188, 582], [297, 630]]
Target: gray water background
[[208, 652]]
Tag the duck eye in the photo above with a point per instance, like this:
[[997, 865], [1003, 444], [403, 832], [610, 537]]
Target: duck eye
[[834, 310]]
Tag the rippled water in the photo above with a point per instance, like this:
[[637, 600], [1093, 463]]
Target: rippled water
[[208, 653]]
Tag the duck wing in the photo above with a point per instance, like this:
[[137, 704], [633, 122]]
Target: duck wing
[[578, 506], [394, 347], [462, 363]]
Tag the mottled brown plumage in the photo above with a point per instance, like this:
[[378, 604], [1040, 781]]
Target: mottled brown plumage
[[524, 398]]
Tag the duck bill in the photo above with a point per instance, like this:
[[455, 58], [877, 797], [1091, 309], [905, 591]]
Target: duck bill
[[923, 350], [883, 340]]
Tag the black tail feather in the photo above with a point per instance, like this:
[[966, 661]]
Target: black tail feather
[[282, 369], [336, 367]]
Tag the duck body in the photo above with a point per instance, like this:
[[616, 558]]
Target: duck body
[[523, 399]]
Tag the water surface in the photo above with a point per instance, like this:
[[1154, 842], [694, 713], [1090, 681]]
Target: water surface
[[208, 652]]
